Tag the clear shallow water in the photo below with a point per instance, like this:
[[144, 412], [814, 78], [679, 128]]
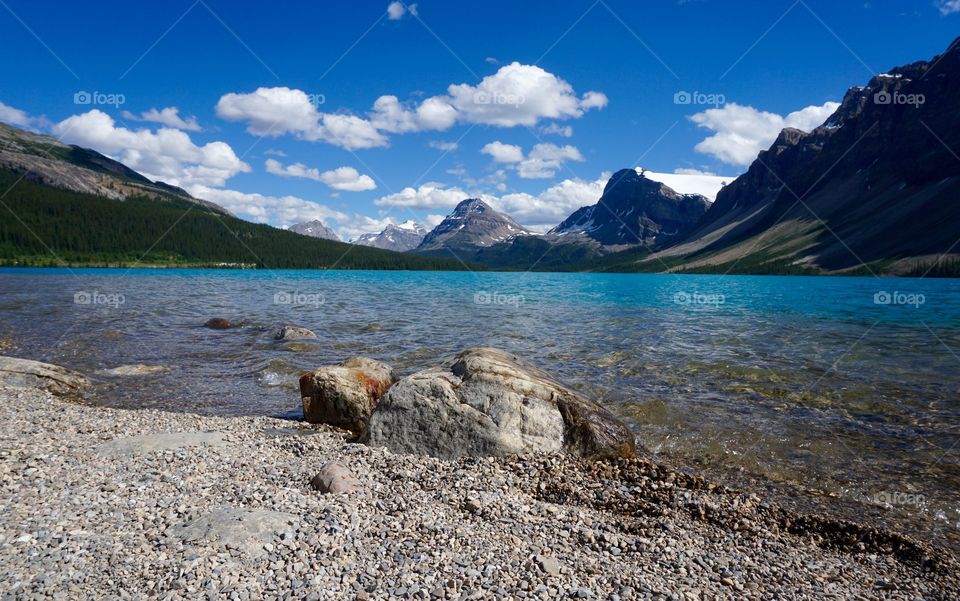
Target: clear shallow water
[[803, 380]]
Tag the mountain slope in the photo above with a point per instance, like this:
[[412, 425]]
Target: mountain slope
[[877, 184], [471, 226], [636, 210], [70, 205], [47, 161], [315, 229], [401, 238], [55, 226]]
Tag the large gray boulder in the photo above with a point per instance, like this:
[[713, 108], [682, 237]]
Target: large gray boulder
[[344, 395], [25, 373], [485, 401]]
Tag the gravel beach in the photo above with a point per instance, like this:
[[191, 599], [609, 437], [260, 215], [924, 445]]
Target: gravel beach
[[104, 503]]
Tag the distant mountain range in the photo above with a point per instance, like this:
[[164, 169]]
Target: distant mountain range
[[315, 229], [401, 237], [874, 190]]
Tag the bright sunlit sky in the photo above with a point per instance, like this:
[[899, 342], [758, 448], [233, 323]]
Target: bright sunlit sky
[[363, 113]]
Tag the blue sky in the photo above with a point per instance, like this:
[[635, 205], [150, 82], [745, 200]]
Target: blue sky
[[547, 96]]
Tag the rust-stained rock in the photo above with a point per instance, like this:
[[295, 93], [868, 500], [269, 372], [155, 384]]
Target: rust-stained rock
[[345, 395]]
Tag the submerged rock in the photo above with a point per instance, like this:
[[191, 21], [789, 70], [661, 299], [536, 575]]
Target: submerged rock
[[345, 395], [219, 323], [335, 478], [24, 373], [485, 401], [292, 333], [138, 369]]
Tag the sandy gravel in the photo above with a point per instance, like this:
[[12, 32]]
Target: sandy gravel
[[101, 503]]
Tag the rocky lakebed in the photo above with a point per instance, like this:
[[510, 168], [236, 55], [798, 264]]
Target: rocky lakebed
[[480, 478]]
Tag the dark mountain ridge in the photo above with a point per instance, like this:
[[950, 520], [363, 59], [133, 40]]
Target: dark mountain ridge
[[877, 183], [635, 210]]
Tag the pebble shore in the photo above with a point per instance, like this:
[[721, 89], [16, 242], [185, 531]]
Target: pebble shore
[[104, 503]]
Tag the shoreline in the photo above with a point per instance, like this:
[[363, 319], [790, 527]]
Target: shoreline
[[176, 505]]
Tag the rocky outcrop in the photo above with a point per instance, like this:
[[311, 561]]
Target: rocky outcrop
[[24, 373], [635, 210], [292, 333], [345, 395], [485, 401], [335, 478]]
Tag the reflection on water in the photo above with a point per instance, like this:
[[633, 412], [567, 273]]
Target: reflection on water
[[807, 381]]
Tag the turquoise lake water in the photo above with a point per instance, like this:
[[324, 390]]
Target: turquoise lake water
[[847, 385]]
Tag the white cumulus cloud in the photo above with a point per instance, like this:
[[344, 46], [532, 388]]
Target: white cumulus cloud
[[948, 7], [347, 179], [516, 95], [444, 146], [557, 130], [169, 116], [741, 132], [281, 110], [520, 95], [503, 153], [396, 10], [14, 116], [282, 211], [542, 211], [542, 162], [428, 196], [167, 154]]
